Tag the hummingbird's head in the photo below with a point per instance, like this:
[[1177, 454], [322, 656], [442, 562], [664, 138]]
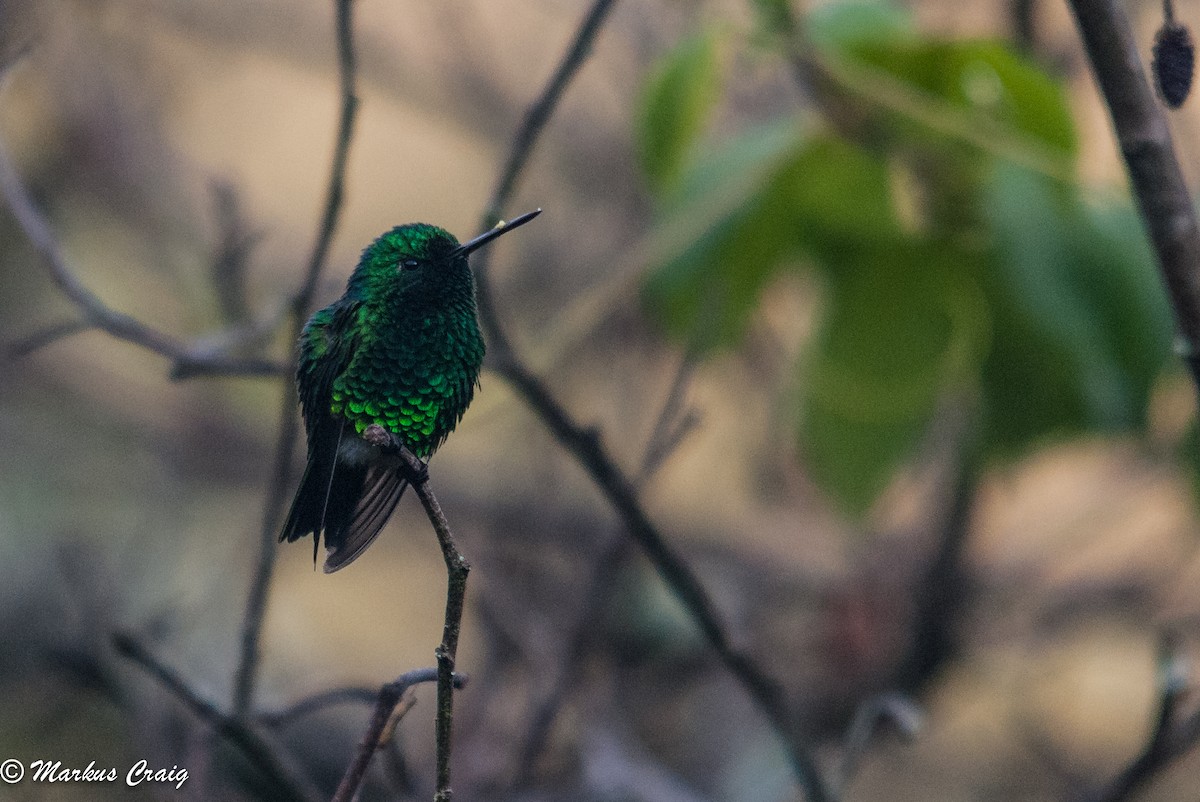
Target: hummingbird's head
[[420, 255]]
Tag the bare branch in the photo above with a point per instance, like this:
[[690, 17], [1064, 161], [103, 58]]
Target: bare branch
[[457, 569], [287, 781], [256, 602], [41, 338], [671, 426], [532, 125], [234, 245], [316, 703], [383, 722]]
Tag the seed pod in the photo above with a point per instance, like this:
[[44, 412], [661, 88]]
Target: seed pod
[[1174, 60]]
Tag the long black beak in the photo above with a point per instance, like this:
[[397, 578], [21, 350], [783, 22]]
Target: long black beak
[[487, 236]]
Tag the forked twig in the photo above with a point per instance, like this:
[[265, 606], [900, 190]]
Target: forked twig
[[383, 722]]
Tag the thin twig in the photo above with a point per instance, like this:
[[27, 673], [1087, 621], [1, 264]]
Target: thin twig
[[316, 703], [383, 721], [585, 446], [256, 602], [235, 245], [1145, 142], [940, 592], [286, 779], [532, 125]]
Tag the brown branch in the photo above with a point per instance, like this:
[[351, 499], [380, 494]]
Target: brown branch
[[235, 244], [1145, 143], [287, 782], [585, 446], [256, 602], [383, 722]]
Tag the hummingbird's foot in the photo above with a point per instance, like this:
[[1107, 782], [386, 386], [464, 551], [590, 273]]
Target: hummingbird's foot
[[376, 435], [417, 469]]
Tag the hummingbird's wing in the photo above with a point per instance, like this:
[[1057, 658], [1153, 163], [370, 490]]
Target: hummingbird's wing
[[327, 345], [380, 491]]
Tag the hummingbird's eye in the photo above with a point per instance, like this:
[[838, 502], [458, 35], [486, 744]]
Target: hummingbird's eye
[[410, 264]]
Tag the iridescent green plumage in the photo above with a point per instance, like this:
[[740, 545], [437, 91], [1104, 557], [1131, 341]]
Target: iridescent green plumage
[[400, 349]]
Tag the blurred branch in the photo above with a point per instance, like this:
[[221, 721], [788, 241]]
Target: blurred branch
[[940, 592], [187, 359], [41, 338], [256, 602], [585, 445], [1170, 737], [287, 781], [388, 711], [523, 141], [674, 422], [316, 703], [457, 569], [543, 108], [234, 245], [1145, 143]]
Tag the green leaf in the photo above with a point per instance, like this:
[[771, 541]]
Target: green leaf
[[1081, 325], [986, 79], [675, 105], [902, 328], [840, 26], [811, 196]]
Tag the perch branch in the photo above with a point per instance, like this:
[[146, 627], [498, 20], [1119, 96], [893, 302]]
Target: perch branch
[[256, 602], [457, 569], [383, 722], [1145, 143], [49, 335], [287, 781]]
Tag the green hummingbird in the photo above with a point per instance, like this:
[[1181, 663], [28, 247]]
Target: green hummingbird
[[401, 350]]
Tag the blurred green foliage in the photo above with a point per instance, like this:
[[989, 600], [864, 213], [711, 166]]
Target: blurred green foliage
[[935, 203]]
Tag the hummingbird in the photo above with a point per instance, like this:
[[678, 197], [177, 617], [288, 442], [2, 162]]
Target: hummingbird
[[397, 355]]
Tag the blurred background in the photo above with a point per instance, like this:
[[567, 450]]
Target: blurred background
[[854, 289]]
